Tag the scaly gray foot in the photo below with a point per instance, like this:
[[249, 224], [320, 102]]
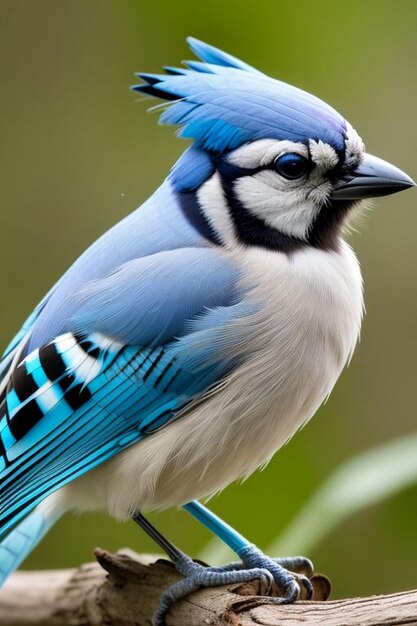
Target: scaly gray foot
[[254, 564]]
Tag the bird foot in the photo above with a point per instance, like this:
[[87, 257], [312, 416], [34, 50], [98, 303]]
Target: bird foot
[[287, 574]]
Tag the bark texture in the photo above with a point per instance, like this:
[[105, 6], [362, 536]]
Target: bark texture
[[123, 590]]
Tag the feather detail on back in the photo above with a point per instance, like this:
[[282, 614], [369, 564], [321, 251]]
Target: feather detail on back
[[147, 301], [160, 224]]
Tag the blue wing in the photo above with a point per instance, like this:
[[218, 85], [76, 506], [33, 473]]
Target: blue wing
[[161, 223], [18, 344], [122, 369]]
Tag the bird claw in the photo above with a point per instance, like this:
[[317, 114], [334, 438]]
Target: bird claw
[[299, 565], [254, 565]]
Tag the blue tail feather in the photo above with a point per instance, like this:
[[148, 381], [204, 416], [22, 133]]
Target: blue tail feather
[[20, 542]]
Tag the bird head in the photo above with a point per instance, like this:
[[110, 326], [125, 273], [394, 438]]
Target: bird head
[[270, 164]]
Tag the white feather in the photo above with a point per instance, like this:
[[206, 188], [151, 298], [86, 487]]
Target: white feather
[[323, 155], [47, 397], [211, 199], [355, 147], [263, 152], [84, 366]]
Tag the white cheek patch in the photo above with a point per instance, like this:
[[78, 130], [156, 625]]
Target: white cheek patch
[[291, 210], [263, 152], [212, 202]]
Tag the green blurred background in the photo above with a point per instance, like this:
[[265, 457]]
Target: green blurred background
[[80, 152]]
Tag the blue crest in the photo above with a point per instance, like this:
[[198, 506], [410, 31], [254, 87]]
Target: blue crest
[[222, 103]]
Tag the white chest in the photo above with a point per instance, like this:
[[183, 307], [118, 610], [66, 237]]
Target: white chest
[[294, 349]]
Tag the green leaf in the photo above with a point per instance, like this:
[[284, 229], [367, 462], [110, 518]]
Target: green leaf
[[363, 481]]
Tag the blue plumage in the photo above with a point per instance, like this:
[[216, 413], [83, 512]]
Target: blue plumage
[[139, 285], [219, 119], [165, 319], [144, 305], [167, 283], [191, 170], [85, 410], [23, 539], [158, 225], [130, 334], [215, 56]]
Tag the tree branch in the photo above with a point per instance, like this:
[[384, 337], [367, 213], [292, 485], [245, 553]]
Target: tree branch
[[123, 589]]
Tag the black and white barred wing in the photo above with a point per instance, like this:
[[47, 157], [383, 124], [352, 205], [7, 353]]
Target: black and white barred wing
[[73, 404]]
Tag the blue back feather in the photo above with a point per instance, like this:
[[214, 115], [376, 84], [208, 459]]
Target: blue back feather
[[147, 301], [158, 225]]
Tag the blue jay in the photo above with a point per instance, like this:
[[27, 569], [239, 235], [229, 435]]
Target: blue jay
[[193, 339]]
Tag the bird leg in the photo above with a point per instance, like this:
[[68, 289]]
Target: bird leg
[[249, 553], [254, 564]]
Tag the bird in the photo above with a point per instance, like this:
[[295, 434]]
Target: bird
[[192, 340]]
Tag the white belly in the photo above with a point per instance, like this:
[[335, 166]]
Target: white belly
[[294, 350]]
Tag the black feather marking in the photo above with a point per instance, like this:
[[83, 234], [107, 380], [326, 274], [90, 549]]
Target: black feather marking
[[23, 383], [155, 92], [187, 201], [153, 365], [24, 419], [66, 381], [88, 346], [4, 409], [168, 385], [161, 375], [52, 362], [325, 233], [174, 71], [77, 395], [151, 79], [3, 452], [55, 369], [252, 230]]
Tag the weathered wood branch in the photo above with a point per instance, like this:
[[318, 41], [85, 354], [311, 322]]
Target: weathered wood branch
[[123, 590]]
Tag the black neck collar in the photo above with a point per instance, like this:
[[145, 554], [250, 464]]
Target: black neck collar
[[194, 215]]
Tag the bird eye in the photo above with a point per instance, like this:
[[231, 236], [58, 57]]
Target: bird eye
[[291, 165]]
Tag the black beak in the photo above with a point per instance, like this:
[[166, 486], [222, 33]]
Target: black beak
[[374, 177]]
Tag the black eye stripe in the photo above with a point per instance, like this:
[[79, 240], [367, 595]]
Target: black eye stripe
[[231, 171]]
